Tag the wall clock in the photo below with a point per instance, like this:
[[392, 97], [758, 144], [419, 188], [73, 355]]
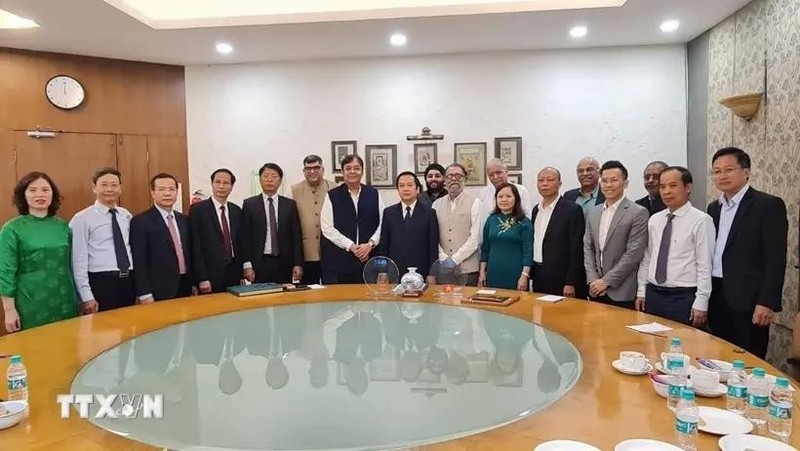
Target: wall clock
[[65, 92]]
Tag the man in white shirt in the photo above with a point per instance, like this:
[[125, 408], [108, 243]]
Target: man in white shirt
[[498, 174], [675, 274]]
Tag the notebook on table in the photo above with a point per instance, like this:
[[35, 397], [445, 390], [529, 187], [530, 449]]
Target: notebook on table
[[255, 289]]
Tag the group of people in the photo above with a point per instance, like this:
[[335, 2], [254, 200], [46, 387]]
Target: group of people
[[723, 268]]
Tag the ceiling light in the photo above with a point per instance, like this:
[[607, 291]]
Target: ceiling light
[[13, 21], [669, 26], [224, 48], [398, 40], [578, 32]]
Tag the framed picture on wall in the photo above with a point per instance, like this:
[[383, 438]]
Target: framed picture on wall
[[515, 178], [510, 151], [473, 157], [424, 155], [338, 179], [339, 150], [381, 165]]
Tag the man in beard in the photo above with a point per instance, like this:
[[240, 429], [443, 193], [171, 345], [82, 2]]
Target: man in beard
[[434, 180]]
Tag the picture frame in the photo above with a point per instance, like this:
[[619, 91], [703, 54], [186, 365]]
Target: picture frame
[[509, 149], [338, 179], [473, 157], [424, 155], [515, 178], [340, 149], [381, 165]]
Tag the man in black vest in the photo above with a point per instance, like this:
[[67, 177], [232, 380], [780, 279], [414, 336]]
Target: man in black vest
[[351, 225]]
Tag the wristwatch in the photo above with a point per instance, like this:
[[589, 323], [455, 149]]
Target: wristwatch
[[372, 243]]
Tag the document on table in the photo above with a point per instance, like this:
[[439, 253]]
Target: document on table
[[651, 328], [316, 286], [550, 298]]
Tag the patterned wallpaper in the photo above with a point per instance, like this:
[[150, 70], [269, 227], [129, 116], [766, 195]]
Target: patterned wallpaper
[[758, 50]]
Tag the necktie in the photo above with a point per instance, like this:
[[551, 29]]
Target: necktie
[[663, 251], [273, 228], [227, 250], [408, 214], [176, 242], [123, 263]]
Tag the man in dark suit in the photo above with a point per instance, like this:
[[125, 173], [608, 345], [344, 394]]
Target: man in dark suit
[[161, 246], [749, 262], [589, 193], [273, 240], [217, 237], [652, 201], [409, 229], [558, 228]]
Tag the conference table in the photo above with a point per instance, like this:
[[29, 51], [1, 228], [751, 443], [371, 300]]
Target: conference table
[[562, 370]]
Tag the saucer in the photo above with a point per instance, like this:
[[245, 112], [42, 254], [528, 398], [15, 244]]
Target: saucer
[[722, 422], [632, 372], [641, 444], [660, 368], [565, 445], [714, 393], [742, 442]]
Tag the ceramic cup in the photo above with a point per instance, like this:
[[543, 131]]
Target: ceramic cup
[[632, 360], [705, 380]]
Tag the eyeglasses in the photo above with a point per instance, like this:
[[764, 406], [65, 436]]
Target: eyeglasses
[[454, 177], [726, 171], [312, 168]]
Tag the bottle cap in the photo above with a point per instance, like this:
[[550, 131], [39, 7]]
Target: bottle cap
[[782, 382], [738, 364], [759, 372], [675, 341], [16, 359], [687, 394]]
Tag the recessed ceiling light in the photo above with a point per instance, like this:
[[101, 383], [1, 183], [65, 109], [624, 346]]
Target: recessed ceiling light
[[12, 21], [224, 48], [669, 26], [578, 32], [398, 40]]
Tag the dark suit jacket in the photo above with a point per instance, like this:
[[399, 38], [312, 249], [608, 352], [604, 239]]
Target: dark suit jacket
[[573, 194], [154, 258], [207, 249], [562, 247], [415, 244], [290, 237], [652, 206], [754, 259]]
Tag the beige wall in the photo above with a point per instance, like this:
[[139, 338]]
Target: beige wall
[[758, 50]]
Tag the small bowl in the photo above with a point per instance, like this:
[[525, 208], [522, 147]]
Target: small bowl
[[661, 384], [725, 369], [15, 412]]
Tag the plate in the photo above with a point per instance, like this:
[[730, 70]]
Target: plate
[[722, 422], [660, 368], [640, 444], [618, 366], [721, 390], [565, 445], [742, 442]]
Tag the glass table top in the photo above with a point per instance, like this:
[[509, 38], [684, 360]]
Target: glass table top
[[332, 375]]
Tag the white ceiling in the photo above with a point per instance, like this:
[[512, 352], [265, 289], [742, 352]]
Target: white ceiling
[[96, 28]]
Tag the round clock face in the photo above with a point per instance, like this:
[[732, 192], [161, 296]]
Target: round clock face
[[65, 92]]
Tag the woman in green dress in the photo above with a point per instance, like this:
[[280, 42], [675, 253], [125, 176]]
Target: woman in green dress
[[36, 283], [507, 248]]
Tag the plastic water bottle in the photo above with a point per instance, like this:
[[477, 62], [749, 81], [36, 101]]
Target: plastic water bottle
[[757, 398], [17, 377], [780, 409], [677, 382], [687, 416], [737, 389], [675, 349]]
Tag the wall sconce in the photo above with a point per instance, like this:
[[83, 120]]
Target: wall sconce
[[744, 106]]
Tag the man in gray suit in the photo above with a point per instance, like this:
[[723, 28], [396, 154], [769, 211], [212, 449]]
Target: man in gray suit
[[615, 240]]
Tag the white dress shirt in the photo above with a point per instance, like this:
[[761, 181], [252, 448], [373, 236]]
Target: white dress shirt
[[540, 228], [403, 206], [605, 220], [471, 245], [268, 241], [217, 206], [726, 215], [335, 236], [690, 252]]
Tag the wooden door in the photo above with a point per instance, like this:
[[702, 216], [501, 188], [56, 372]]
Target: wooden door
[[8, 176], [132, 163], [69, 159], [168, 154]]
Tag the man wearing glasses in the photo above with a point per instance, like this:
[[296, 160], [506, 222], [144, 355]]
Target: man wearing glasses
[[749, 262], [310, 195], [459, 215]]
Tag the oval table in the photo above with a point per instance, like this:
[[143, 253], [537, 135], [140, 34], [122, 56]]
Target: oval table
[[603, 408]]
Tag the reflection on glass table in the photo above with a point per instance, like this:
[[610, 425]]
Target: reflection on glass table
[[336, 375]]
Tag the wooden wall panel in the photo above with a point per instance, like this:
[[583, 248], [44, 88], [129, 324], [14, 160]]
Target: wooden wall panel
[[169, 154], [8, 176], [70, 159], [122, 97], [132, 162]]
